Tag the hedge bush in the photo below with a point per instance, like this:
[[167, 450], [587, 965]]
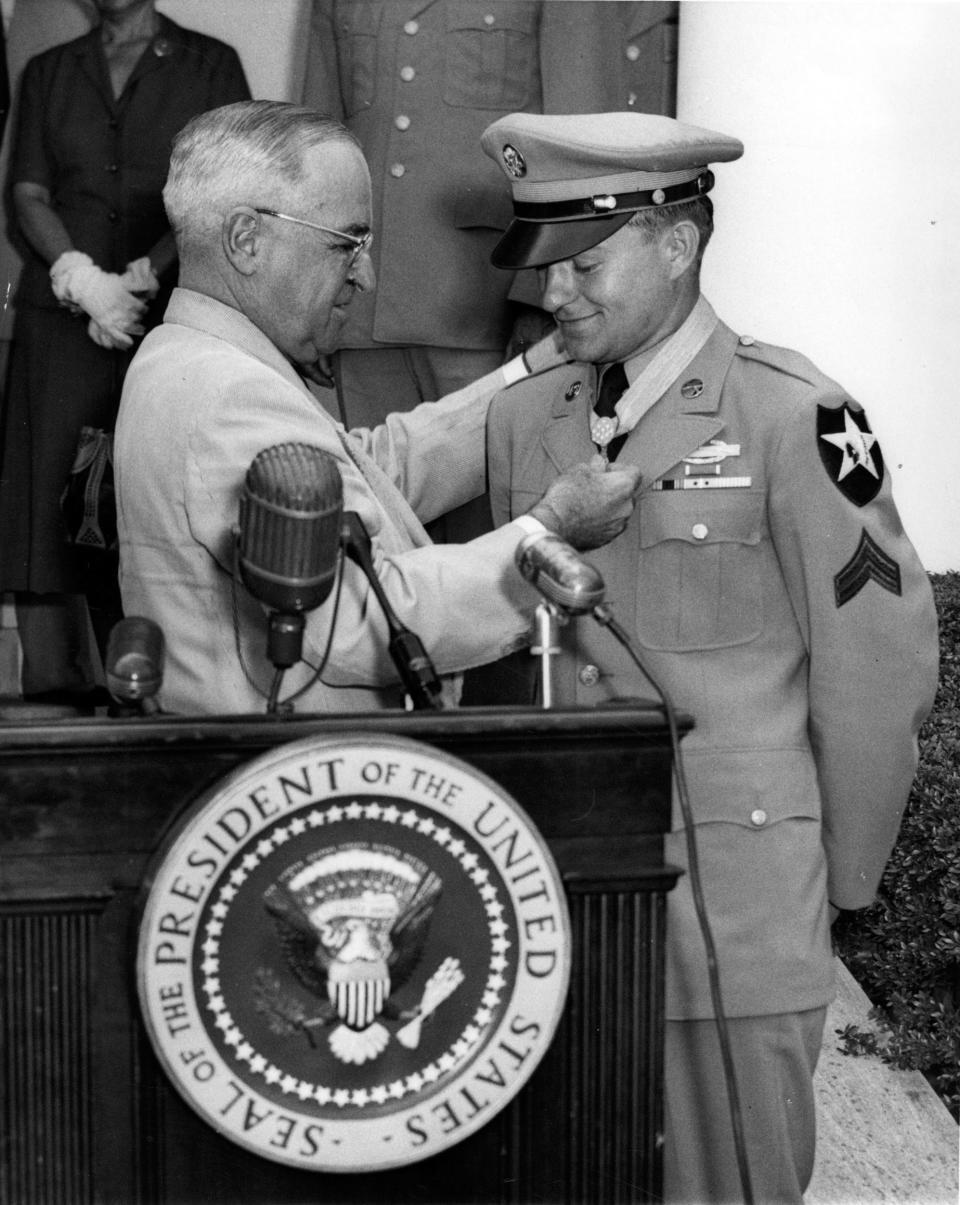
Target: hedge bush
[[905, 949]]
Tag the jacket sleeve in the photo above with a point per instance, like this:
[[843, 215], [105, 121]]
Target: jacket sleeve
[[865, 607]]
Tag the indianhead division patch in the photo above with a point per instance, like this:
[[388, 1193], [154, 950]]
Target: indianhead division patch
[[352, 953], [850, 453]]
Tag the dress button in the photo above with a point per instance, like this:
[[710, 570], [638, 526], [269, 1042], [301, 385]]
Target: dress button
[[758, 817], [407, 74], [412, 27], [489, 19], [699, 531], [113, 216], [747, 340], [397, 170], [633, 52], [402, 121], [589, 675]]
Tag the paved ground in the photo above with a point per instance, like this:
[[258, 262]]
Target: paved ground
[[883, 1135]]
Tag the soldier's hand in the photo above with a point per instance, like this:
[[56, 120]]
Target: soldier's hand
[[589, 504]]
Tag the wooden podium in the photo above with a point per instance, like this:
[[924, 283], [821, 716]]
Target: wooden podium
[[88, 1115]]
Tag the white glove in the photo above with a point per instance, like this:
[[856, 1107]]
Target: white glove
[[101, 337], [141, 279], [77, 281]]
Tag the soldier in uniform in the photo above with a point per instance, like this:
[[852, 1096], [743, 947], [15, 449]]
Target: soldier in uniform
[[768, 589]]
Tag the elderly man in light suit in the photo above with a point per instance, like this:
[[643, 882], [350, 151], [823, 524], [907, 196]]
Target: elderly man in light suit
[[767, 584], [270, 205]]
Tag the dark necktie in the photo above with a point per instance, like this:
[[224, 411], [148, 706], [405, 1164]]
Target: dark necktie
[[612, 387]]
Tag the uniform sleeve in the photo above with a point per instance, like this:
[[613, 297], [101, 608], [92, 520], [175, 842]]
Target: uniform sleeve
[[865, 607]]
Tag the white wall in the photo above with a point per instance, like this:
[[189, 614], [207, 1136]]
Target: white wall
[[839, 230], [270, 37]]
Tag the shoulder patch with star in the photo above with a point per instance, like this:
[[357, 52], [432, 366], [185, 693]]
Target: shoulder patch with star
[[850, 452]]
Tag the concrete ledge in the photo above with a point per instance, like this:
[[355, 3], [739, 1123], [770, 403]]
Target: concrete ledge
[[883, 1135]]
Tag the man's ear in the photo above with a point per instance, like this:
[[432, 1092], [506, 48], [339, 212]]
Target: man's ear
[[240, 235], [681, 246]]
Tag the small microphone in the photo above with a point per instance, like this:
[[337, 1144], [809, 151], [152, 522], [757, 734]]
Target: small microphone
[[561, 575], [134, 665], [289, 539]]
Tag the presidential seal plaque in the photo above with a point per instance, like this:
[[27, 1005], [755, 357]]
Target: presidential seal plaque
[[352, 953]]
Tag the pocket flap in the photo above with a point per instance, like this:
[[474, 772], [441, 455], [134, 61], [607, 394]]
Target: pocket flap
[[701, 516]]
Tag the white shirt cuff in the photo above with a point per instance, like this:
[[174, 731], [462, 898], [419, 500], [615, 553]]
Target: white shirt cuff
[[531, 526]]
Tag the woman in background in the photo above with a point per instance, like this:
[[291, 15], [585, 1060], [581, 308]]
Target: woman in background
[[94, 126]]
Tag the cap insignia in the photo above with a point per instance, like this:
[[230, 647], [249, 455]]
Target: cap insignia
[[598, 204], [658, 196], [515, 163]]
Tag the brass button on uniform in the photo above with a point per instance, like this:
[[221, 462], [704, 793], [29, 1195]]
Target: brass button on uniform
[[747, 340], [412, 27], [402, 121], [589, 675], [758, 817], [633, 52], [397, 170], [407, 74], [489, 19], [699, 531]]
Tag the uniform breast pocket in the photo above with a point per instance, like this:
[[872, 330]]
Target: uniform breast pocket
[[357, 27], [699, 581], [490, 56]]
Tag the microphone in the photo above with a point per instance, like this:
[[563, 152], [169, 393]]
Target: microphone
[[134, 665], [289, 539], [561, 575], [406, 648]]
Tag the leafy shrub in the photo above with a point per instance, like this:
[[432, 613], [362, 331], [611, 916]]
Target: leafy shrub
[[905, 949]]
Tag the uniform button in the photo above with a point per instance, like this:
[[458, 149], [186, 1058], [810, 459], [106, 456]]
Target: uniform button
[[112, 167], [632, 98], [489, 19], [747, 340], [402, 121], [397, 170], [407, 74], [633, 52], [758, 817], [113, 216], [589, 675], [699, 531], [412, 27]]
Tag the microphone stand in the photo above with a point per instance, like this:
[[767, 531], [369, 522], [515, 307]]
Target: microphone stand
[[549, 617], [409, 656]]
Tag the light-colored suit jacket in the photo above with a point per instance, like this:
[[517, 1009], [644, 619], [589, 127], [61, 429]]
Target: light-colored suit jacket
[[206, 392], [785, 611]]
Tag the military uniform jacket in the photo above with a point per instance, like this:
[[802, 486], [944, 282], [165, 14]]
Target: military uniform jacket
[[418, 81], [784, 609]]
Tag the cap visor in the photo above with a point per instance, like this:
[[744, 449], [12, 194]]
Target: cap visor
[[535, 244]]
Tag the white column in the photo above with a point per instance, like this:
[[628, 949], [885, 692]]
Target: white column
[[838, 233]]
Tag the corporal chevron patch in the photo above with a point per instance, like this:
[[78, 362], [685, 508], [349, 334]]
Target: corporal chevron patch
[[869, 561]]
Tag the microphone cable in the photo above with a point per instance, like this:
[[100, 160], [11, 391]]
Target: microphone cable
[[274, 703], [604, 616]]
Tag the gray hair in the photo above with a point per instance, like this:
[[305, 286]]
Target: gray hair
[[699, 211], [249, 153]]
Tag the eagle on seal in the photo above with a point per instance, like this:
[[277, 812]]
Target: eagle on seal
[[352, 924]]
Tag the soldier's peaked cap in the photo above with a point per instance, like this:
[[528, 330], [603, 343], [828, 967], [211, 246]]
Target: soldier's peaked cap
[[578, 178]]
